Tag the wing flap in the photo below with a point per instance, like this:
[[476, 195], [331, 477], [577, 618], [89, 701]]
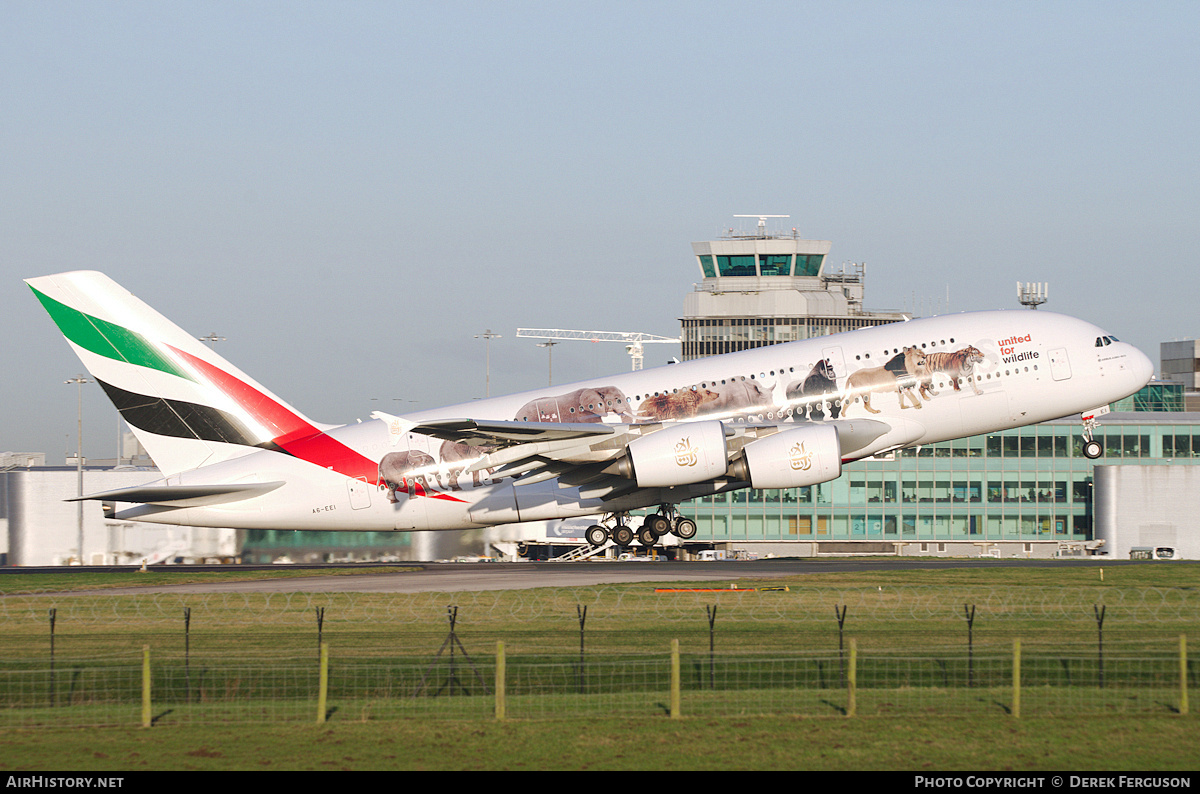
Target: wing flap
[[481, 432]]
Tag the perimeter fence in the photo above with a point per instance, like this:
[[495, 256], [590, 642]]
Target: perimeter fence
[[598, 651]]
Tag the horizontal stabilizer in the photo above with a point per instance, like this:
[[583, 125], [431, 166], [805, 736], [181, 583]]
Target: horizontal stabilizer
[[183, 495]]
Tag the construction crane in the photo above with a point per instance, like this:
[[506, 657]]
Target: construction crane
[[633, 340]]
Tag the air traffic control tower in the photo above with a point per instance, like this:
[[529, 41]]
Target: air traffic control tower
[[761, 287]]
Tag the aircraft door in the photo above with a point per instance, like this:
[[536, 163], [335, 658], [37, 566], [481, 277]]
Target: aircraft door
[[360, 493], [548, 410], [834, 356], [1060, 365]]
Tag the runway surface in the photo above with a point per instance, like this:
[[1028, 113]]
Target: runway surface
[[461, 577]]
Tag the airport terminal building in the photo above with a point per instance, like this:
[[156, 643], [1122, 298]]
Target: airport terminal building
[[1026, 491]]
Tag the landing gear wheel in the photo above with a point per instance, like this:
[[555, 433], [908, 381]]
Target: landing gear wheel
[[647, 537], [685, 529], [596, 535], [622, 535], [1092, 448], [658, 524]]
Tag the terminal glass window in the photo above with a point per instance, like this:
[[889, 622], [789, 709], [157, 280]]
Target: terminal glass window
[[720, 526], [1051, 446], [775, 265], [706, 264], [965, 491], [808, 264], [1126, 446], [736, 265], [1181, 446]]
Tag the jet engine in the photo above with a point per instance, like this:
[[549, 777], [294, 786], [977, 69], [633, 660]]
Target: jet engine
[[676, 455], [791, 458]]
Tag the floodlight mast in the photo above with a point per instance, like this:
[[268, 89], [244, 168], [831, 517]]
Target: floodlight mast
[[633, 340]]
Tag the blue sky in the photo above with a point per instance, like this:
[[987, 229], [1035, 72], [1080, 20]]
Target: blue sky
[[350, 192]]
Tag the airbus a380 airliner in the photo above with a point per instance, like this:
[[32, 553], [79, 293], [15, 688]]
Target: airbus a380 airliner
[[784, 416]]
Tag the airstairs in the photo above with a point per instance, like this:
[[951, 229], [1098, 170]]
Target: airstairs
[[584, 551]]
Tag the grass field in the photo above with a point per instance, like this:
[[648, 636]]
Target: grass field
[[922, 718], [83, 579], [924, 744]]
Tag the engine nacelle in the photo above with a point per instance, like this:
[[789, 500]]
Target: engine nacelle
[[678, 455], [791, 458]]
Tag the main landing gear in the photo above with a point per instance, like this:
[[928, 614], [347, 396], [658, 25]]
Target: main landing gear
[[655, 526]]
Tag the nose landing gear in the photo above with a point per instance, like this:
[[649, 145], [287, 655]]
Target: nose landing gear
[[1092, 448]]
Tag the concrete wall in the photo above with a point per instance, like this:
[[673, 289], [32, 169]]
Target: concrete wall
[[1148, 506], [44, 530]]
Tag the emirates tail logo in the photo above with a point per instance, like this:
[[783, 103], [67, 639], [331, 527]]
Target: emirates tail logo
[[685, 453], [800, 459]]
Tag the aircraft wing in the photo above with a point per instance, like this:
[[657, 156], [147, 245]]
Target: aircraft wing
[[592, 452], [532, 450], [480, 432]]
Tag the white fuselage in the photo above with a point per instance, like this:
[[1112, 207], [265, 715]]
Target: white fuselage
[[967, 374]]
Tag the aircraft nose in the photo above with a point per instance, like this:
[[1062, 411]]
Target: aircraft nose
[[1141, 366]]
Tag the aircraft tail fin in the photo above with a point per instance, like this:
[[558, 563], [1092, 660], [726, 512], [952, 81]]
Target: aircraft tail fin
[[186, 405]]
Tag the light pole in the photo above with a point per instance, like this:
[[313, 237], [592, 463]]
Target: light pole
[[550, 356], [487, 336], [79, 380]]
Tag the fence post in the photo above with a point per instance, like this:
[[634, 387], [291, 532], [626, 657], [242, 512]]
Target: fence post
[[852, 679], [187, 654], [323, 683], [145, 686], [1016, 702], [320, 612], [501, 671], [970, 613], [675, 679], [581, 613], [711, 610], [841, 619], [53, 688], [1183, 682]]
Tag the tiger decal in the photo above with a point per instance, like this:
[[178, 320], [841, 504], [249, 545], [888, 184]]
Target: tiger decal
[[956, 365]]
